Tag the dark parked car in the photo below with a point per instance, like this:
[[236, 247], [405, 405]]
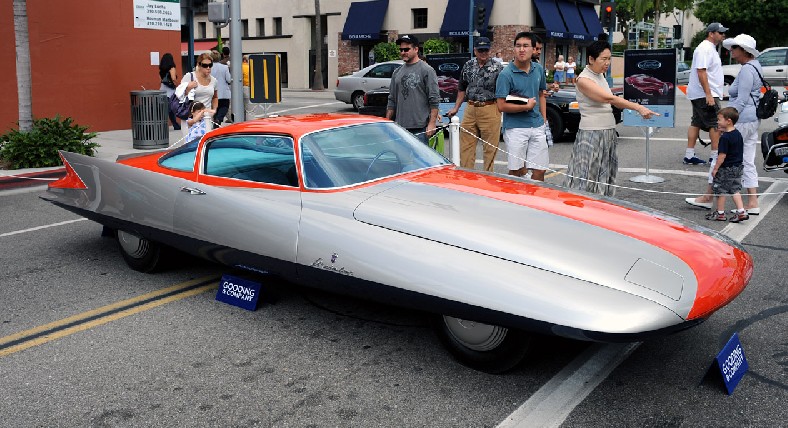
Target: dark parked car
[[562, 112]]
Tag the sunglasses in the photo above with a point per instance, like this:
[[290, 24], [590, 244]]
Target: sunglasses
[[721, 32], [404, 49], [204, 65], [482, 50]]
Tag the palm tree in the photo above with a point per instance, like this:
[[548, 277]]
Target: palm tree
[[317, 81], [23, 77]]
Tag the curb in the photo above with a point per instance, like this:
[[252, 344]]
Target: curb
[[31, 179]]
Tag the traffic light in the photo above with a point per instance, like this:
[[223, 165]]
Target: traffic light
[[481, 13], [607, 14], [677, 32]]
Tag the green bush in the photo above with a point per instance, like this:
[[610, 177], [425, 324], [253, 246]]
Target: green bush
[[386, 51], [39, 147], [435, 46]]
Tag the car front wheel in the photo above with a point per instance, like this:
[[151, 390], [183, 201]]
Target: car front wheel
[[139, 253], [484, 347]]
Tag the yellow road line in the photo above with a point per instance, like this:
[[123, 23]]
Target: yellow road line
[[103, 320], [553, 174]]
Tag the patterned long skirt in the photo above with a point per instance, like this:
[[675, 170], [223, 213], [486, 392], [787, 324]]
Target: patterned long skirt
[[594, 162]]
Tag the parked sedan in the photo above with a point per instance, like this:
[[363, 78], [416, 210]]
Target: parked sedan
[[774, 62], [358, 205], [682, 73], [351, 89], [562, 112]]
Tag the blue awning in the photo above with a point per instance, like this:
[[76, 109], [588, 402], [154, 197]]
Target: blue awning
[[364, 20], [591, 19], [574, 24], [552, 19], [457, 15]]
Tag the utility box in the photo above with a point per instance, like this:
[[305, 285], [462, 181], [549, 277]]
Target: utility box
[[218, 12]]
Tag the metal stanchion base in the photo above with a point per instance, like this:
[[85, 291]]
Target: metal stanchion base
[[647, 178]]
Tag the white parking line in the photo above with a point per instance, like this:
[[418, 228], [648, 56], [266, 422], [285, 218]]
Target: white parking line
[[32, 229], [555, 400]]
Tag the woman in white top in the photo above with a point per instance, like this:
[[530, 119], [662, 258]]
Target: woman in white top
[[594, 163], [570, 70], [559, 66], [200, 86]]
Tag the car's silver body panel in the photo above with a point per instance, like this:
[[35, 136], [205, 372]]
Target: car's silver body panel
[[476, 256]]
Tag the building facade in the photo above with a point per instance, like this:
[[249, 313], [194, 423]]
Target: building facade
[[351, 28]]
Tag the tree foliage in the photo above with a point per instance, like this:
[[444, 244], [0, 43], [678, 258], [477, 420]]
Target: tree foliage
[[753, 17], [435, 46]]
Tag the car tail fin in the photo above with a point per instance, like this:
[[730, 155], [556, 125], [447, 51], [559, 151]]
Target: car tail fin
[[71, 180]]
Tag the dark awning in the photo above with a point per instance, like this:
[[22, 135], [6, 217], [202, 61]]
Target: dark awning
[[455, 19], [591, 19], [552, 19], [574, 24], [364, 20]]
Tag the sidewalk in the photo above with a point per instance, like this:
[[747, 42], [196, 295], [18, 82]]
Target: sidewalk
[[112, 144]]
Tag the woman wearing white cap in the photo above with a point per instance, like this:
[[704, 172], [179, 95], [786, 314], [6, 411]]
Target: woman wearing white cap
[[744, 94]]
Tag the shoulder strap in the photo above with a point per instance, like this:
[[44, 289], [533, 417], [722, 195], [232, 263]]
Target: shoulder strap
[[765, 85]]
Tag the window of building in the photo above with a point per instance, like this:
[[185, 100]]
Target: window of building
[[260, 27], [201, 31], [244, 28], [217, 32], [278, 26], [419, 18]]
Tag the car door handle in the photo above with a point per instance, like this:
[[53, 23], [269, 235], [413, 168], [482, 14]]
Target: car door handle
[[192, 190]]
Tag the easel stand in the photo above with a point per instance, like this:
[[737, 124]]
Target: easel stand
[[647, 178]]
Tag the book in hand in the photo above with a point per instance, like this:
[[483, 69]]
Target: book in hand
[[516, 99]]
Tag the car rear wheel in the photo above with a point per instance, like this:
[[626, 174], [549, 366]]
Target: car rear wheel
[[139, 253], [556, 123], [484, 347], [358, 100]]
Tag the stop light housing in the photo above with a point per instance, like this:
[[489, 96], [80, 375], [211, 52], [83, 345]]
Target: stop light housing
[[607, 14], [481, 14]]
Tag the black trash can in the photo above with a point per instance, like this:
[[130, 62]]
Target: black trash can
[[149, 117]]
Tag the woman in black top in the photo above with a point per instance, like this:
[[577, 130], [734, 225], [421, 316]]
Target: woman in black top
[[168, 79]]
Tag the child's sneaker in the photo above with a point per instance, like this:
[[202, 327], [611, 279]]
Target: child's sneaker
[[739, 217], [717, 216]]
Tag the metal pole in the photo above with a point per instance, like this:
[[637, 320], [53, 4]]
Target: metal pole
[[236, 71], [470, 27], [454, 136], [647, 178]]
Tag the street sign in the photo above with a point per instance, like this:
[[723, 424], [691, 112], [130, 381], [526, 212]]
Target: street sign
[[265, 84]]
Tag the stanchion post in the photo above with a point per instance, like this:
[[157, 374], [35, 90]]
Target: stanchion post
[[647, 178], [454, 136]]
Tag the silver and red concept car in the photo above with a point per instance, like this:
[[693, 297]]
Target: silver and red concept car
[[357, 205]]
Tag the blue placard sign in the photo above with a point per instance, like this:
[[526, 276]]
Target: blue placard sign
[[238, 292], [732, 363]]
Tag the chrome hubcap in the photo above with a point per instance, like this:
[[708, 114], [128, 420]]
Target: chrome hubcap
[[475, 335], [133, 245]]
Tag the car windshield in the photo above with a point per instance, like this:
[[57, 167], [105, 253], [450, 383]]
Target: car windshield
[[356, 154]]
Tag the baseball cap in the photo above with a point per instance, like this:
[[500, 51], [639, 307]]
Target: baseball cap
[[481, 43], [716, 27], [408, 39]]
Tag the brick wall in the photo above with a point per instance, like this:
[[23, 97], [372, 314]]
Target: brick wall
[[347, 56]]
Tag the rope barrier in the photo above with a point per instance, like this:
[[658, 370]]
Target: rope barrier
[[618, 186]]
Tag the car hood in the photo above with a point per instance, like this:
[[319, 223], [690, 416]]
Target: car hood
[[581, 236]]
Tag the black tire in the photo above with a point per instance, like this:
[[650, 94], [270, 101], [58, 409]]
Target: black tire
[[483, 347], [729, 80], [556, 123], [357, 99], [139, 253]]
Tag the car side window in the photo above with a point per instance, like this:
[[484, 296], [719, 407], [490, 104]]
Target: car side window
[[182, 158], [259, 158], [383, 71], [776, 57]]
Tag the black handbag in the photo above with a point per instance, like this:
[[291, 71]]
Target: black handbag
[[181, 109], [167, 81]]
